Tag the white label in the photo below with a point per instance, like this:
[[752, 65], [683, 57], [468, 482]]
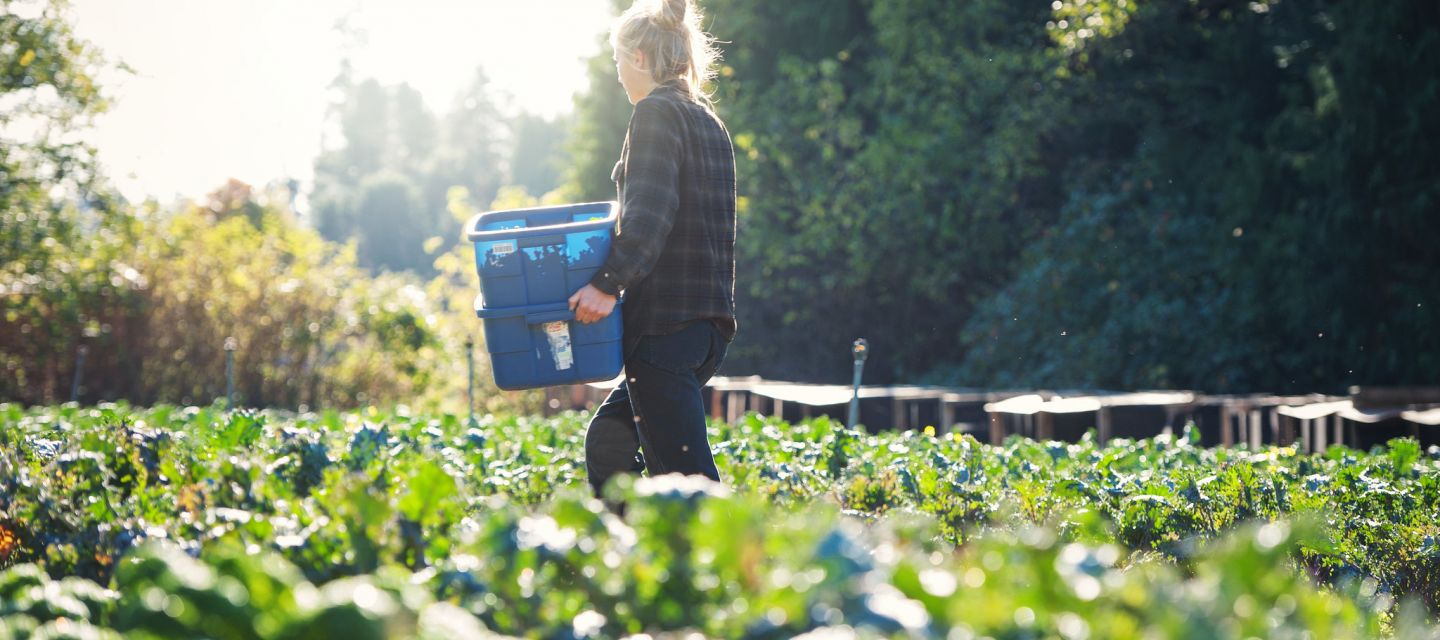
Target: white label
[[502, 249], [558, 334]]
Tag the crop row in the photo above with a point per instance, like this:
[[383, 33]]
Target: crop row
[[137, 519]]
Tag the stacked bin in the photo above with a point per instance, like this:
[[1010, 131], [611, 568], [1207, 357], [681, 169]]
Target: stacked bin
[[530, 262]]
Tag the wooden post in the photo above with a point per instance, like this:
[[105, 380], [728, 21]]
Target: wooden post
[[231, 344], [1254, 425], [1286, 435], [1044, 426], [715, 402], [1103, 425], [947, 416], [897, 414], [1226, 439], [80, 369], [1242, 430], [997, 428], [1242, 426]]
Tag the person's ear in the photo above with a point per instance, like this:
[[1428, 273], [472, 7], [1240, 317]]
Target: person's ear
[[638, 59]]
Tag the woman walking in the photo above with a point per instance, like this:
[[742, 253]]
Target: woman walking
[[673, 255]]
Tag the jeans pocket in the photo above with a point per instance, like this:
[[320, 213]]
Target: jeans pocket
[[719, 347], [681, 352]]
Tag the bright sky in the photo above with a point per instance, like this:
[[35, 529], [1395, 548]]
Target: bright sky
[[238, 88]]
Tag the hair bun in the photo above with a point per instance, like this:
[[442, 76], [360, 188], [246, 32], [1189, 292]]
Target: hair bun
[[668, 32], [672, 14]]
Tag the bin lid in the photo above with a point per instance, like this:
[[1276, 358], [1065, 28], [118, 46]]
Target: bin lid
[[475, 229]]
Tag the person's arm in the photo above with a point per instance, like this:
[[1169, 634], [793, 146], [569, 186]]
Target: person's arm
[[652, 197]]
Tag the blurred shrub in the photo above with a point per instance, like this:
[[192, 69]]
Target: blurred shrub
[[61, 288], [154, 296], [308, 326]]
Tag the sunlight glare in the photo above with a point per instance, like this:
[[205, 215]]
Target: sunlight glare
[[241, 89]]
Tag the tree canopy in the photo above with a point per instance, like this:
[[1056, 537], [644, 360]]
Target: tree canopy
[[1227, 196]]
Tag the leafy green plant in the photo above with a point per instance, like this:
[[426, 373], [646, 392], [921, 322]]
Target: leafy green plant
[[492, 524]]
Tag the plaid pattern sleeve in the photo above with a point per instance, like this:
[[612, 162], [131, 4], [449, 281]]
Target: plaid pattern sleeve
[[651, 173], [674, 250]]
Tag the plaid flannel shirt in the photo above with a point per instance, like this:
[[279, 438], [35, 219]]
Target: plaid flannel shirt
[[674, 249]]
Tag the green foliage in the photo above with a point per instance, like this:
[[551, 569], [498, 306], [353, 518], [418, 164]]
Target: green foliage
[[309, 327], [788, 90], [414, 518], [56, 276], [1103, 193], [1228, 201], [1129, 249], [47, 75]]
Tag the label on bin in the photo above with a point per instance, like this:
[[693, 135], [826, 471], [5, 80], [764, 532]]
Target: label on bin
[[502, 249], [559, 335]]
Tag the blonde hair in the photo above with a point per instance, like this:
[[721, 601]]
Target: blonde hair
[[668, 33]]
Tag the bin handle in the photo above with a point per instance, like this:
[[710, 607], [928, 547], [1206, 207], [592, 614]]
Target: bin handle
[[563, 315]]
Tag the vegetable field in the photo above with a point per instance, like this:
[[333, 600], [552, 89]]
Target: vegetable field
[[196, 522]]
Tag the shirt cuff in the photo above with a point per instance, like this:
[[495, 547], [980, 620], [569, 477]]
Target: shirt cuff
[[605, 281]]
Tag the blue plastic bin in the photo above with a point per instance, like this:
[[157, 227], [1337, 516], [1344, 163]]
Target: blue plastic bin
[[530, 262], [542, 345], [541, 255]]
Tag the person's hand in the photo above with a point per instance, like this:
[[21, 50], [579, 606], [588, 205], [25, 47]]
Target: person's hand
[[591, 304]]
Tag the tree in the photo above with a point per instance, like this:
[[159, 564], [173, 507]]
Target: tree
[[389, 213], [472, 152], [538, 157], [388, 137], [891, 162], [61, 284], [1245, 211]]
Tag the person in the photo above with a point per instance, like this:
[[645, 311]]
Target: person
[[673, 254]]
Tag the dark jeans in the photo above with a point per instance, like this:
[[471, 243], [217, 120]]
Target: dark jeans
[[658, 409]]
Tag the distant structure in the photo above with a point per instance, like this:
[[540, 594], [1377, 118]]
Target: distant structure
[[1367, 417]]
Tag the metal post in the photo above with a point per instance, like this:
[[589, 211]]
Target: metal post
[[860, 350], [470, 384], [230, 345], [79, 368]]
